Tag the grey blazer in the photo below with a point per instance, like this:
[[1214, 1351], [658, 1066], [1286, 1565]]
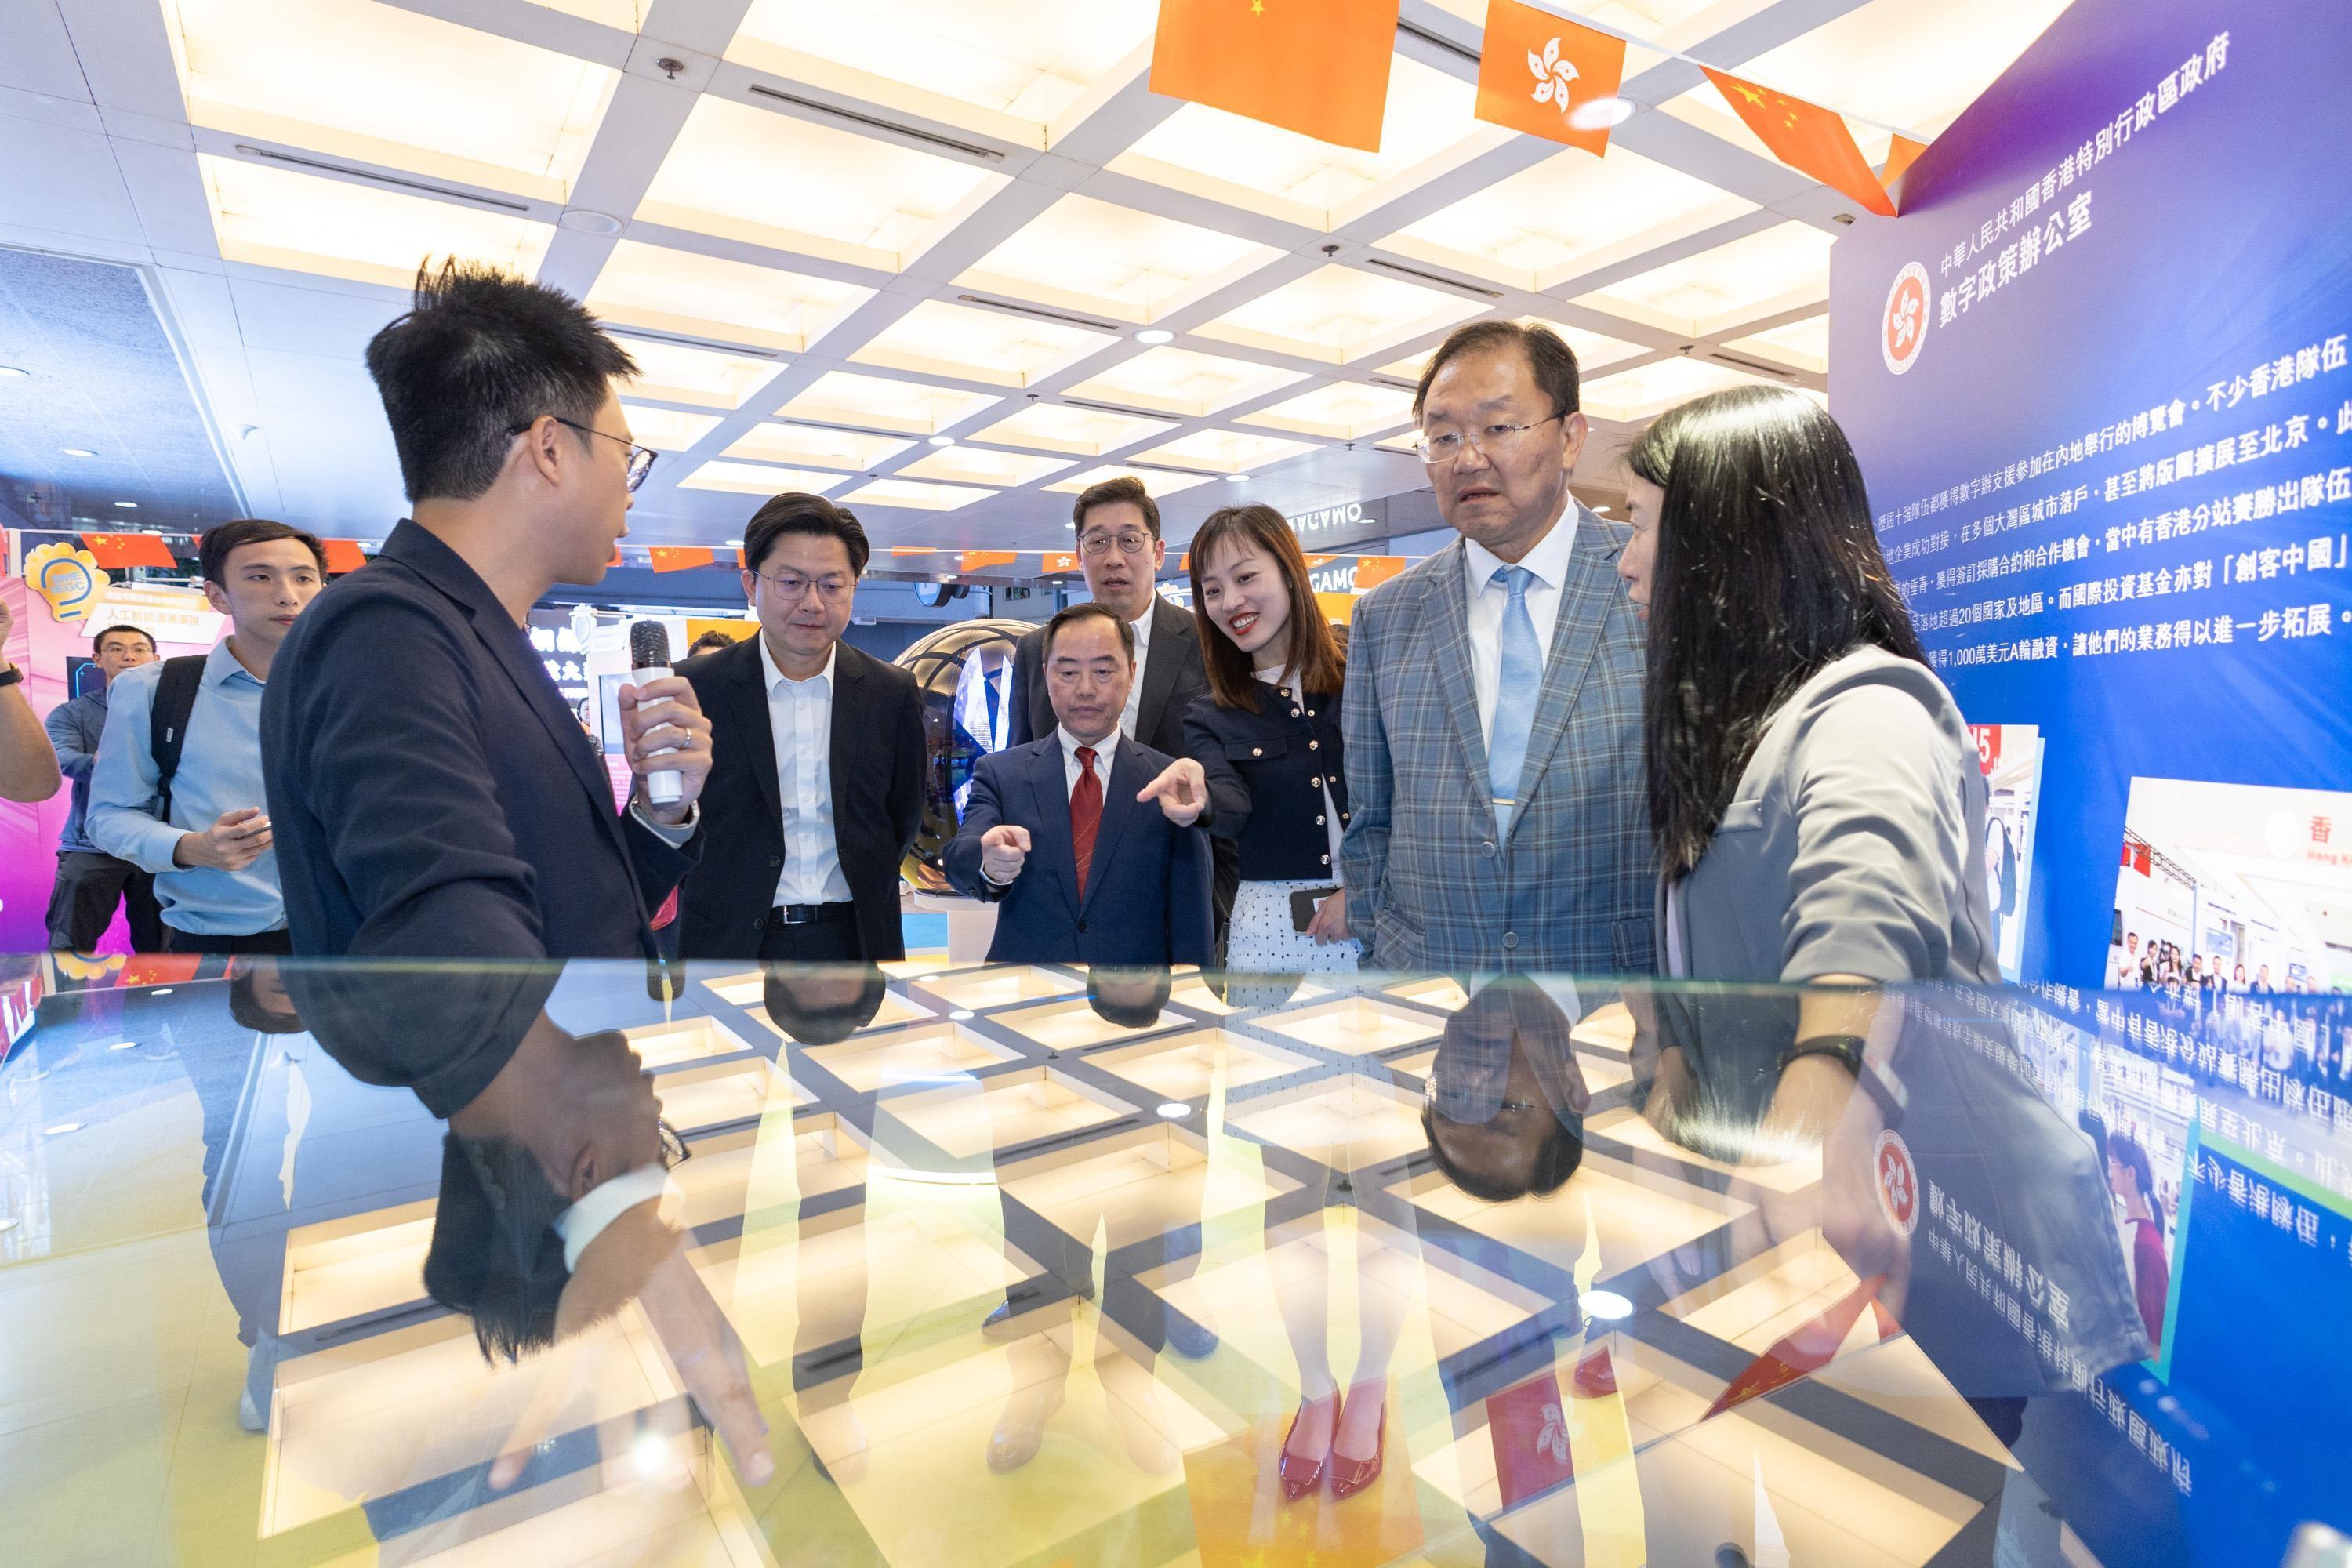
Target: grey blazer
[[1855, 844], [1569, 891]]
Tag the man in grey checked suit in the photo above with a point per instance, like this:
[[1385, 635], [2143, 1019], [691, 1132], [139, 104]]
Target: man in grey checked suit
[[1493, 714]]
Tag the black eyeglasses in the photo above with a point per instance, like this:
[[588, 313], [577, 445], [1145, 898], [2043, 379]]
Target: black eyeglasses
[[641, 458]]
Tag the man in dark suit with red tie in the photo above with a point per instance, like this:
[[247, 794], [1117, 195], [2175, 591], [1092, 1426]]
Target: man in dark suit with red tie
[[1063, 835]]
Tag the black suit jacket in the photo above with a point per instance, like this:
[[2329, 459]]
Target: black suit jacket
[[1147, 898], [1173, 676], [877, 762], [432, 794]]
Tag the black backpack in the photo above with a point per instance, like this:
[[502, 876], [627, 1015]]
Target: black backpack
[[167, 724]]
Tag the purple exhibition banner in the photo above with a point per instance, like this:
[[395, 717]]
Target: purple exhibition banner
[[2097, 376], [2096, 373]]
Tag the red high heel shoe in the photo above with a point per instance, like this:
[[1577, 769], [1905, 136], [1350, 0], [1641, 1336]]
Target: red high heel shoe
[[1350, 1476], [1300, 1478]]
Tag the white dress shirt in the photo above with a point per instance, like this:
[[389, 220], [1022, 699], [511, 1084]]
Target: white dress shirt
[[1142, 629], [799, 721], [1549, 562], [1103, 750]]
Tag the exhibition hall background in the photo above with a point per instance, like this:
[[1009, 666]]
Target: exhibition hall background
[[951, 277]]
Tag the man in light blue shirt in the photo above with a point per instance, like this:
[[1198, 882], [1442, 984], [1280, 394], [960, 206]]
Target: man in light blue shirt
[[91, 883], [206, 836]]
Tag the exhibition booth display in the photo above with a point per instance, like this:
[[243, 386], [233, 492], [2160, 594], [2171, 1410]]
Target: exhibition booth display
[[1033, 1265]]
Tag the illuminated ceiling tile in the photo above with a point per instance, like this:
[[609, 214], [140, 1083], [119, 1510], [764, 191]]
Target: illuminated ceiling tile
[[1086, 255], [1182, 382], [1805, 344], [666, 429], [1006, 70], [979, 465], [1911, 64], [272, 217], [682, 291], [1224, 451], [1157, 482], [1568, 215], [1777, 269], [1427, 131], [913, 496], [814, 446], [756, 480], [1660, 21], [384, 85], [1593, 351], [792, 184], [1339, 314], [1343, 411], [939, 339], [1633, 394], [672, 373], [1080, 432], [839, 397]]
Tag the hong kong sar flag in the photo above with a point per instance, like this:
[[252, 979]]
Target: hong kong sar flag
[[1548, 77]]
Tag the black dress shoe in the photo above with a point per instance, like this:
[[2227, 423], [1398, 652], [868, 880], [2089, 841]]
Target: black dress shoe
[[1189, 1338]]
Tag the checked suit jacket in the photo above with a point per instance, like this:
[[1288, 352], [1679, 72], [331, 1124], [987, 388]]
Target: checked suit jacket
[[1430, 887]]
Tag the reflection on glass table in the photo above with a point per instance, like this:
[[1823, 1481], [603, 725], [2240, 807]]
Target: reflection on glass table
[[1006, 1266]]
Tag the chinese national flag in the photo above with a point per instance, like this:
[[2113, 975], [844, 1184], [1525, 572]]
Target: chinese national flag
[[1317, 67], [1548, 77], [1808, 138], [1900, 155], [1371, 571], [117, 551], [974, 560], [680, 558]]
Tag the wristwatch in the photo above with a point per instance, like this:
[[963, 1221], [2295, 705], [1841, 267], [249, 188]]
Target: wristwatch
[[12, 675]]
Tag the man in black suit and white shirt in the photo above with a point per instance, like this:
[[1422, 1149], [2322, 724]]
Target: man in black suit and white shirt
[[816, 779], [1121, 552]]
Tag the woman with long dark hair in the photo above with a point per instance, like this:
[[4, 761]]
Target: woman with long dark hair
[[1267, 736], [1815, 798]]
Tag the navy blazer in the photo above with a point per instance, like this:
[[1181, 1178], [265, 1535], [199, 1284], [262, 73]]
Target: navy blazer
[[432, 794], [1148, 891], [1267, 773]]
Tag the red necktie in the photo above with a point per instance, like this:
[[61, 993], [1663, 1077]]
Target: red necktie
[[1085, 813]]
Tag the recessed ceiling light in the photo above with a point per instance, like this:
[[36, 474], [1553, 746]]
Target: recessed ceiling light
[[961, 1015], [1236, 479], [1155, 335], [12, 370], [942, 440], [62, 1128], [166, 991], [1600, 113], [78, 452], [1606, 1305], [582, 220], [128, 505], [734, 545], [1175, 1111]]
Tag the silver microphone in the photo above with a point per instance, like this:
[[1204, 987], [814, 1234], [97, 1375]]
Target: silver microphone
[[649, 661]]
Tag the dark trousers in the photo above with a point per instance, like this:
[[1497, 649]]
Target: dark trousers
[[831, 939], [90, 885], [279, 942]]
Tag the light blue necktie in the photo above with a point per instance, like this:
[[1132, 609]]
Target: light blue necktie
[[1521, 682]]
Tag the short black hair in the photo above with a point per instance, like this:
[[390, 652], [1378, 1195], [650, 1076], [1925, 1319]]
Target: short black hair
[[1124, 488], [212, 548], [1557, 1158], [245, 1004], [1131, 998], [1553, 361], [708, 642], [98, 643], [479, 354], [495, 1255], [797, 512], [1083, 610], [825, 1024]]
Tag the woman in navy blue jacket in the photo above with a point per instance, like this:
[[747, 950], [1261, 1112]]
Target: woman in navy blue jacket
[[1267, 736]]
